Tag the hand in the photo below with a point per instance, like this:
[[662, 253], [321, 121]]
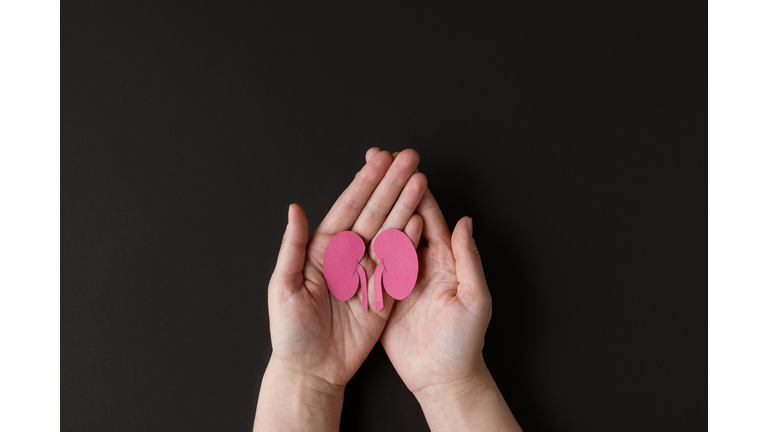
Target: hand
[[319, 342], [435, 336]]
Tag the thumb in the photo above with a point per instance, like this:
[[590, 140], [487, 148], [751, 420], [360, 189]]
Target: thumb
[[469, 269], [289, 270]]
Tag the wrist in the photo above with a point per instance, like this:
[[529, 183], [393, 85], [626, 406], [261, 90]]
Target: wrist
[[460, 389], [291, 400], [303, 382], [470, 403]]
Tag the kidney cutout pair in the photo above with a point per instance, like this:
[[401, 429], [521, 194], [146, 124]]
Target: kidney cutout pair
[[396, 273]]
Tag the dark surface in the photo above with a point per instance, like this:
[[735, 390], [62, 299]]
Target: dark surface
[[575, 137]]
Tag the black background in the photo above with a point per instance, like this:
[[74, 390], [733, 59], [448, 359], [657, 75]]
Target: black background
[[574, 135]]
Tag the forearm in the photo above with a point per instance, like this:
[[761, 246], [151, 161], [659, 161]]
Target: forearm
[[293, 402], [473, 404]]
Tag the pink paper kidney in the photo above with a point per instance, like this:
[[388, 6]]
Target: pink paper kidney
[[341, 267], [399, 266]]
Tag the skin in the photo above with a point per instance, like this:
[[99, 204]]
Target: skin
[[434, 337]]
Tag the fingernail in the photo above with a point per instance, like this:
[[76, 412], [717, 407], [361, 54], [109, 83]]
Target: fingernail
[[290, 210], [394, 155], [471, 230]]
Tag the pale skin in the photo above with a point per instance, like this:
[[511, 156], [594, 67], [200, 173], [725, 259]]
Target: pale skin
[[434, 337]]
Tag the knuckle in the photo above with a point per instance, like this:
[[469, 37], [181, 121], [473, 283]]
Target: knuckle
[[376, 209], [364, 177]]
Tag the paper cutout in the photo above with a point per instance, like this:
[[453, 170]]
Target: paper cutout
[[396, 274], [341, 267], [399, 266]]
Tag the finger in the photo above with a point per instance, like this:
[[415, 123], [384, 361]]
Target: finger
[[370, 153], [406, 203], [469, 268], [378, 206], [435, 228], [413, 229], [290, 261], [347, 208]]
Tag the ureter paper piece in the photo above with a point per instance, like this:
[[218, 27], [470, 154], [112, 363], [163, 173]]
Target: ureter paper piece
[[378, 295], [341, 264], [363, 286]]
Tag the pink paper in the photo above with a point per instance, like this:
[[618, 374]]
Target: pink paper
[[341, 267], [399, 266]]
